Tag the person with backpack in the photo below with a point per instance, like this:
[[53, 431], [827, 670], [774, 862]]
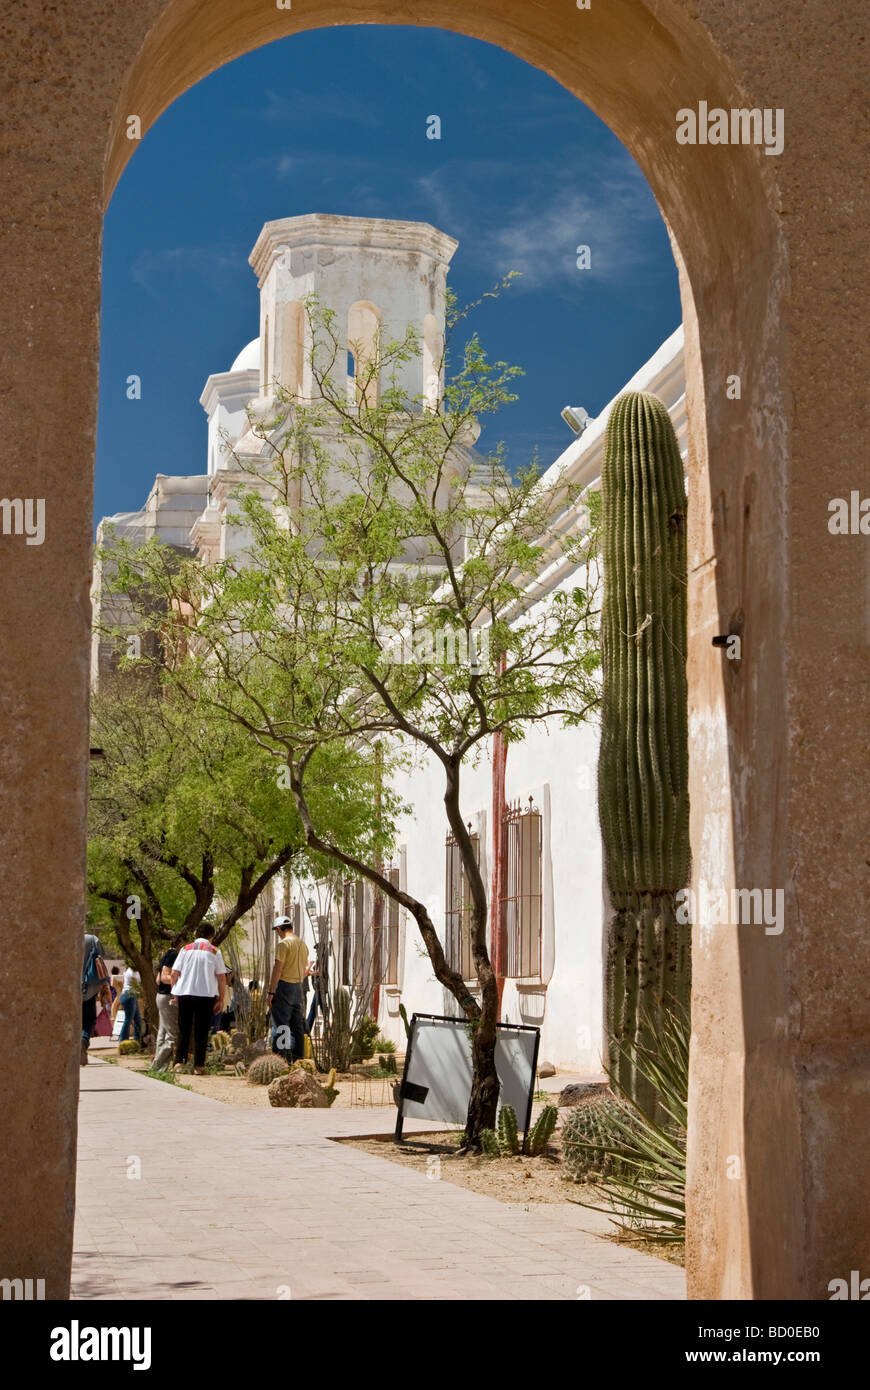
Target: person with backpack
[[95, 984], [198, 983]]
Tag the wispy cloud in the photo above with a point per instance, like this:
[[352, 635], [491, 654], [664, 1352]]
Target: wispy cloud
[[539, 237], [317, 105], [150, 267]]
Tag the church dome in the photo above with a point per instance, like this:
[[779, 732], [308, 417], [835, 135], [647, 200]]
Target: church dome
[[249, 358]]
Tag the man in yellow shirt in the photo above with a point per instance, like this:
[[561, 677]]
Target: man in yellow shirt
[[285, 999]]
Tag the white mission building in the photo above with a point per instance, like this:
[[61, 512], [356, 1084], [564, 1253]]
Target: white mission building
[[534, 809]]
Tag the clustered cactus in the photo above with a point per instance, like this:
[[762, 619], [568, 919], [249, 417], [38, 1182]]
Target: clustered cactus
[[489, 1143], [643, 797], [266, 1069], [220, 1042], [541, 1132], [508, 1139], [587, 1136]]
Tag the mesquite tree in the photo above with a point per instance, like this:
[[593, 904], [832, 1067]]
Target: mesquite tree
[[186, 820], [643, 773], [390, 598]]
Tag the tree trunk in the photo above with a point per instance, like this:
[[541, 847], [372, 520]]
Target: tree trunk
[[483, 1101], [140, 959]]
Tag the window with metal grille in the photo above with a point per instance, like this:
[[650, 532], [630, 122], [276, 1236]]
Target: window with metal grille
[[385, 933], [457, 899], [522, 896]]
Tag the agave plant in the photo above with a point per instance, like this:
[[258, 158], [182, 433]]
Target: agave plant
[[643, 1160]]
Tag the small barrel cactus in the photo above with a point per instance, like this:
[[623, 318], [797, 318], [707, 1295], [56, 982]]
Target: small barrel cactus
[[588, 1135], [489, 1143], [508, 1139], [541, 1132], [266, 1069], [220, 1041], [128, 1046]]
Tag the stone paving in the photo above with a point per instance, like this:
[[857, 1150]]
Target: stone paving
[[183, 1197]]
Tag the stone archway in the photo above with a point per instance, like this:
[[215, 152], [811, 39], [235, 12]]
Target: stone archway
[[782, 1045]]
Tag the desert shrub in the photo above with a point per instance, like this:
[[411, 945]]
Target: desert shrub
[[364, 1037]]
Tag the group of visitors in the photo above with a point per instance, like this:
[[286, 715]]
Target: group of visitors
[[194, 991]]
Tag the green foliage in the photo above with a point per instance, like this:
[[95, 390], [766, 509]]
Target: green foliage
[[508, 1138], [643, 793], [489, 1144], [182, 801], [641, 1161], [330, 1092], [387, 1064], [266, 1069], [403, 1014], [541, 1132], [128, 1047], [167, 1075], [383, 1044]]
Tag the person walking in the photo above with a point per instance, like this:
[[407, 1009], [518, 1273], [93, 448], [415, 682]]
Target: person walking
[[129, 1002], [167, 1012], [95, 986], [198, 983], [318, 974], [285, 992]]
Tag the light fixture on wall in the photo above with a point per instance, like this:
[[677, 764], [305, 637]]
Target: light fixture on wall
[[576, 417]]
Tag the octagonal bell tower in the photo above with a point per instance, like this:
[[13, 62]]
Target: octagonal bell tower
[[376, 275]]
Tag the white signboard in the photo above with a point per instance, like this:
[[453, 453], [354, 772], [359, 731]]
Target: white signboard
[[437, 1080]]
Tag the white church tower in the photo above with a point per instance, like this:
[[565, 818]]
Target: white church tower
[[377, 276]]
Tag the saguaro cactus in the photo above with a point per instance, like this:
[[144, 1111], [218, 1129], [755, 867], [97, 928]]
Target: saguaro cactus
[[643, 797]]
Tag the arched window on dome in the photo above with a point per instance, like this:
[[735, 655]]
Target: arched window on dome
[[292, 347], [265, 357], [433, 351], [363, 351]]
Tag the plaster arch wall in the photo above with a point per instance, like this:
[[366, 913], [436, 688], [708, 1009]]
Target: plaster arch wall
[[781, 1059]]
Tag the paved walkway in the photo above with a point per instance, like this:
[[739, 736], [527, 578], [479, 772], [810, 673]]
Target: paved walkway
[[181, 1196]]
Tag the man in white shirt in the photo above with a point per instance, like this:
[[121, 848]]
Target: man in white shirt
[[198, 983]]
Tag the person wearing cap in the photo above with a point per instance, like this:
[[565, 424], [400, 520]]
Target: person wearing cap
[[284, 999]]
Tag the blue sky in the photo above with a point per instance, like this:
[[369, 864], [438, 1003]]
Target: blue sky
[[335, 121]]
